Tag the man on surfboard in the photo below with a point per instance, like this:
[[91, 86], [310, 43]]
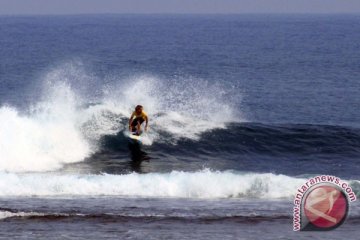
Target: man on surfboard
[[136, 119]]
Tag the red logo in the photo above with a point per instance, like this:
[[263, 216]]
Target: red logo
[[325, 207]]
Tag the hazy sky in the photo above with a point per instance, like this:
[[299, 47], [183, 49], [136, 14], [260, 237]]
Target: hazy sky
[[177, 6]]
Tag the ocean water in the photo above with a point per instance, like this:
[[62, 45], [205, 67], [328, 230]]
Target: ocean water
[[243, 110]]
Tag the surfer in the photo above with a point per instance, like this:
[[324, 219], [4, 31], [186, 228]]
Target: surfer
[[137, 118]]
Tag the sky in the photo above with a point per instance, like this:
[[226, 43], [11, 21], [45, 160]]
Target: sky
[[13, 7]]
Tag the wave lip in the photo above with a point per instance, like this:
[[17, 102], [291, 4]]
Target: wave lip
[[202, 184]]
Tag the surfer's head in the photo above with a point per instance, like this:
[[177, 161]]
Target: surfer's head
[[138, 109]]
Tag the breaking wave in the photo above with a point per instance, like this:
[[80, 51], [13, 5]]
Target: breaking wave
[[67, 123], [201, 184]]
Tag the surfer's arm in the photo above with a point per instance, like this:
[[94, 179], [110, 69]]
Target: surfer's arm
[[131, 120]]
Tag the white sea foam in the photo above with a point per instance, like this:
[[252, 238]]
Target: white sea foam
[[8, 214], [201, 184], [44, 139]]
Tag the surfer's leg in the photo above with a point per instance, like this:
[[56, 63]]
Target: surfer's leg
[[139, 122], [138, 128], [134, 125]]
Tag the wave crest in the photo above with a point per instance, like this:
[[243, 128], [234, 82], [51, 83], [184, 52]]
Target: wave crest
[[201, 184]]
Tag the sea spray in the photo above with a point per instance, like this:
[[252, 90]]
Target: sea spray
[[44, 139]]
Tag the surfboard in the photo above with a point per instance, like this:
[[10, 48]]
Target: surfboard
[[134, 136]]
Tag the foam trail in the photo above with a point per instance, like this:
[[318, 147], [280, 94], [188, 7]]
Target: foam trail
[[202, 184]]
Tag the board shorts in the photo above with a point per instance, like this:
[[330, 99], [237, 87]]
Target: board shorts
[[135, 123]]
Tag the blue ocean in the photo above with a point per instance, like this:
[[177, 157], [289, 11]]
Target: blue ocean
[[243, 109]]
